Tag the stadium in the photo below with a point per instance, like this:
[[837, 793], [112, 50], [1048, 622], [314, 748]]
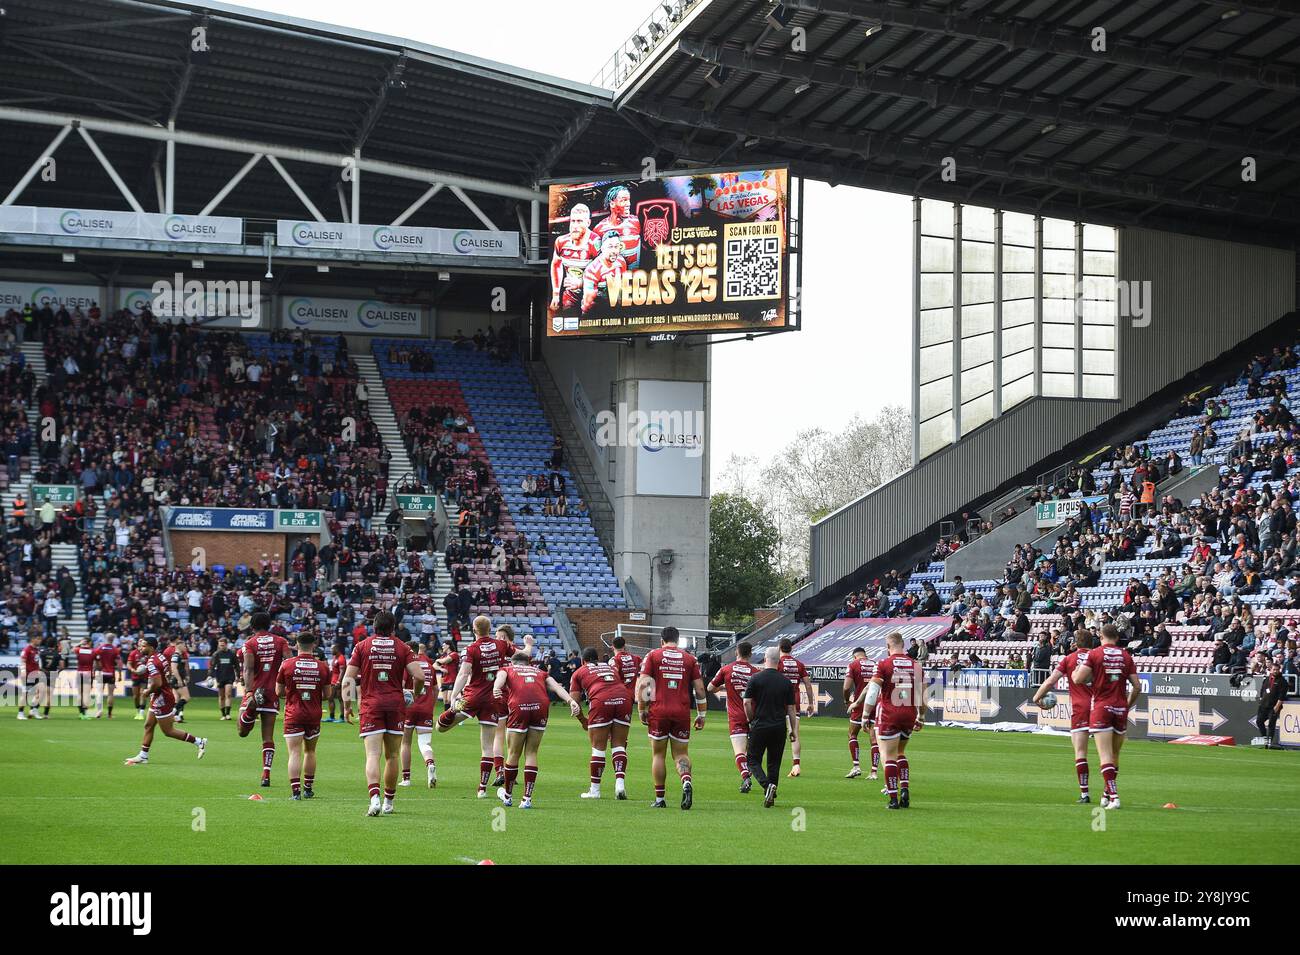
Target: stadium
[[353, 380]]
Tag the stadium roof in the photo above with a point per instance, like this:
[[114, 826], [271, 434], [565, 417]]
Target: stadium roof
[[273, 79], [1151, 130]]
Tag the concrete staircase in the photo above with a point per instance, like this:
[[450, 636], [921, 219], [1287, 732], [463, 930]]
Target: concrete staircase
[[381, 411], [576, 457], [65, 555]]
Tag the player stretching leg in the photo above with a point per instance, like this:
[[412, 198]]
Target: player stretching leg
[[381, 662], [663, 695], [1080, 706], [523, 690], [735, 677], [797, 674], [471, 695], [162, 704], [609, 715], [1115, 688], [419, 718], [900, 709], [303, 683], [860, 670], [263, 654]]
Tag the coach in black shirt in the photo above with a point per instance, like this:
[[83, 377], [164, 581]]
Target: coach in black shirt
[[769, 707]]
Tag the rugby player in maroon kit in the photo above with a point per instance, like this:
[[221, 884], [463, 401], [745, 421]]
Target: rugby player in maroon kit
[[628, 667], [381, 662], [263, 653], [134, 666], [1115, 686], [570, 257], [855, 681], [162, 704], [106, 659], [447, 665], [663, 695], [419, 718], [523, 690], [30, 667], [797, 674], [897, 695], [1080, 705], [303, 682], [620, 222], [472, 698], [609, 716], [85, 654], [735, 677]]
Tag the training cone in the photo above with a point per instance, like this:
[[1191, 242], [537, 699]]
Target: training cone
[[1170, 805], [485, 862], [255, 797]]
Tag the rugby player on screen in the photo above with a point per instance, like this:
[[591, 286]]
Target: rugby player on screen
[[621, 222], [609, 264], [570, 258]]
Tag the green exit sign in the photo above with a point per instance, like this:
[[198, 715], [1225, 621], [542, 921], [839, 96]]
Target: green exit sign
[[298, 519]]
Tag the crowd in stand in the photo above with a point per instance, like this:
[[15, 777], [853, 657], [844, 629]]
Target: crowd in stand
[[1236, 541]]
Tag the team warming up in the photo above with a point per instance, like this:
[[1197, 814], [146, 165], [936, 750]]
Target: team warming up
[[395, 685]]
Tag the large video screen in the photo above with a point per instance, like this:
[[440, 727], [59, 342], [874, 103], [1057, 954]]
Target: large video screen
[[705, 252]]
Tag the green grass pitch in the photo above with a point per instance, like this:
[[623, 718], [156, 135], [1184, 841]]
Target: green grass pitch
[[977, 797]]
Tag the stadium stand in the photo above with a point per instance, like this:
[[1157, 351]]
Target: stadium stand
[[1207, 585]]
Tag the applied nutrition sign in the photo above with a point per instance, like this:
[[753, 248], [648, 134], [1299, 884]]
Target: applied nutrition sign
[[260, 519], [302, 234], [351, 316]]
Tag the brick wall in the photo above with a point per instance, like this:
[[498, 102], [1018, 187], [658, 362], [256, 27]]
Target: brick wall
[[228, 547], [765, 615], [589, 623]]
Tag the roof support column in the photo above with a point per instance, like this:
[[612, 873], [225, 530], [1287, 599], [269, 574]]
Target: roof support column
[[35, 167]]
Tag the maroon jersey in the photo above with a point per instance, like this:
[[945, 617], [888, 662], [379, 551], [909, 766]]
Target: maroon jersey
[[860, 672], [898, 676], [598, 681], [674, 672], [1080, 694], [85, 659], [450, 668], [382, 662], [599, 272], [134, 660], [572, 255], [794, 671], [525, 688], [628, 229], [735, 677], [1111, 667], [268, 651], [107, 655], [627, 666], [31, 659], [304, 680], [484, 658], [163, 700], [426, 667], [339, 664]]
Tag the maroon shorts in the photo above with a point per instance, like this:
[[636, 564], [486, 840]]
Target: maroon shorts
[[528, 717], [737, 727], [1079, 718], [270, 702], [162, 707], [618, 710], [306, 730], [670, 727], [855, 715], [483, 706], [381, 719], [419, 715], [1108, 719], [895, 724]]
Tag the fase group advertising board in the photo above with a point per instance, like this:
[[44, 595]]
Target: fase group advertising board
[[705, 252]]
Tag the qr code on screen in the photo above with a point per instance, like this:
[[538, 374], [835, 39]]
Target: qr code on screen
[[752, 268]]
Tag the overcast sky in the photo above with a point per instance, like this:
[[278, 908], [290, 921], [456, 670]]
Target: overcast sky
[[853, 355]]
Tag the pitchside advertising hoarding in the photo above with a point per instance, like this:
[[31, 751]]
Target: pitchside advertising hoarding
[[211, 306], [1184, 707], [351, 316], [298, 234], [704, 252], [242, 519]]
